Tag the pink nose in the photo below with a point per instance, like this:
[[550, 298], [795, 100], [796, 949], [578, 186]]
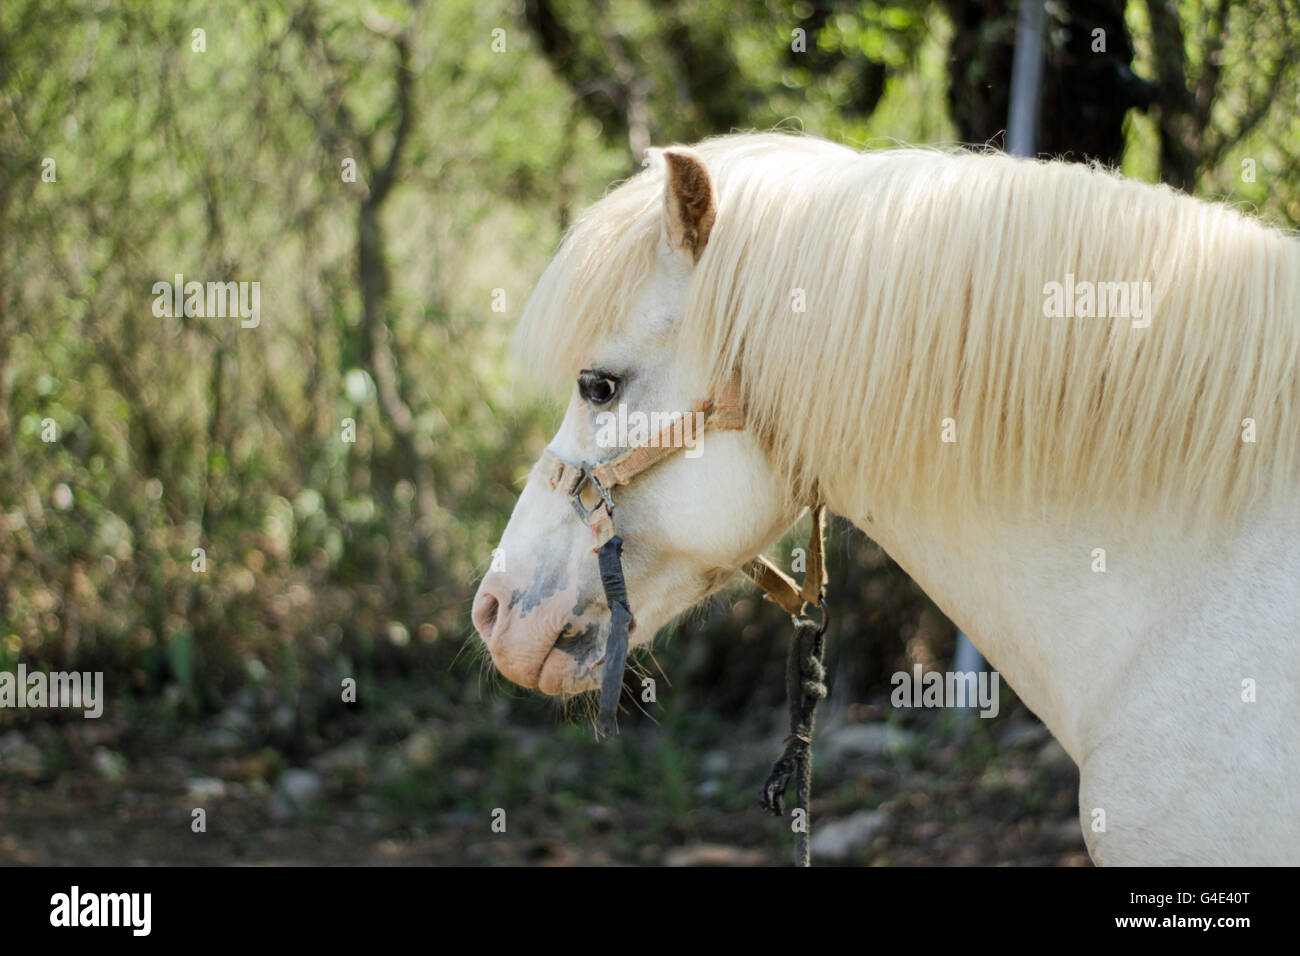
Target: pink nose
[[487, 608]]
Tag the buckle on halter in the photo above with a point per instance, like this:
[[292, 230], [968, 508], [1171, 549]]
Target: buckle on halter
[[575, 496]]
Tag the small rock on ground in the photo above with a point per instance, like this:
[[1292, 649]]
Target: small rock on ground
[[839, 840], [713, 854]]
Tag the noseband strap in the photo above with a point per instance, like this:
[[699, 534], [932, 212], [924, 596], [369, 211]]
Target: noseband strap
[[589, 489]]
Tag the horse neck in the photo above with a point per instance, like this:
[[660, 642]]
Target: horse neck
[[1065, 635]]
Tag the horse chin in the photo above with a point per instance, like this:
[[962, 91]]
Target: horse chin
[[563, 675]]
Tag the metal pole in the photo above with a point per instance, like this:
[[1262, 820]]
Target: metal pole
[[1026, 80]]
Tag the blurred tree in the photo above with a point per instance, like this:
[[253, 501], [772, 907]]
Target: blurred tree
[[1206, 108], [1088, 82], [683, 73], [1090, 85], [184, 140]]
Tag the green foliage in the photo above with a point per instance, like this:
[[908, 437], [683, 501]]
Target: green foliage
[[186, 432], [192, 432]]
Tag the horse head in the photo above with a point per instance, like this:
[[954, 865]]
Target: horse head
[[689, 522]]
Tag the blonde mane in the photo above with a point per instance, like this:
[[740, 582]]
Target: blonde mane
[[922, 274]]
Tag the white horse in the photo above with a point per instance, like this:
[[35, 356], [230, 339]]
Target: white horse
[[1068, 404]]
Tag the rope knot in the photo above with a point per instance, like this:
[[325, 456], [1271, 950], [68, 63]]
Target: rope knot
[[814, 690]]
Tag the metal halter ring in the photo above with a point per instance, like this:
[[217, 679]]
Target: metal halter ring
[[575, 496], [826, 616]]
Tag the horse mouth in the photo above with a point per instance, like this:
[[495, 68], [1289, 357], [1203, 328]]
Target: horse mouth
[[561, 674], [573, 664]]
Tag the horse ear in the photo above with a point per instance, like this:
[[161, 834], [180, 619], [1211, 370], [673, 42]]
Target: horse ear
[[690, 202]]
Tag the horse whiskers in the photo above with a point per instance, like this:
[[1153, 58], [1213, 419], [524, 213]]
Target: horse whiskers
[[584, 708], [590, 705], [575, 708], [650, 717], [487, 677], [637, 668], [470, 640], [487, 673], [659, 667]]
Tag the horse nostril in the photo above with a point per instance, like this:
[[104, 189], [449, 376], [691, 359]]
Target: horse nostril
[[486, 607]]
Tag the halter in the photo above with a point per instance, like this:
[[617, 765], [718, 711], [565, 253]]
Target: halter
[[589, 487]]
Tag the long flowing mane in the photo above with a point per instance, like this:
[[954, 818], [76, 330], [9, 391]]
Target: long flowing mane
[[922, 276]]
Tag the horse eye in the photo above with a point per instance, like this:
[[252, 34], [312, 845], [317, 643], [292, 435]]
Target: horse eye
[[597, 388]]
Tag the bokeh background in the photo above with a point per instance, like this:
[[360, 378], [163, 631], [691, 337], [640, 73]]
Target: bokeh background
[[477, 131]]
